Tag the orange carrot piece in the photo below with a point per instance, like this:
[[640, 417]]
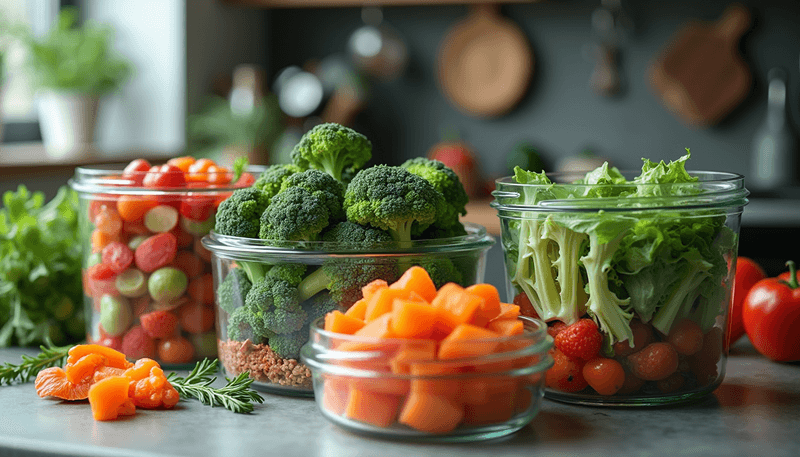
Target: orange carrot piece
[[416, 279], [412, 319], [431, 413], [490, 307], [374, 286], [376, 329], [508, 311], [371, 407], [506, 327], [381, 301], [109, 398], [400, 362], [495, 409], [358, 309], [456, 305], [467, 340], [433, 379], [338, 322], [335, 394]]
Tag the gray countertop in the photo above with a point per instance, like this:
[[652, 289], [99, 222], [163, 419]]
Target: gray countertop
[[755, 411]]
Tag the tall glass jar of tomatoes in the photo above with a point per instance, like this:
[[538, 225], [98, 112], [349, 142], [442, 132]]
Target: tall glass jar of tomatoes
[[148, 287]]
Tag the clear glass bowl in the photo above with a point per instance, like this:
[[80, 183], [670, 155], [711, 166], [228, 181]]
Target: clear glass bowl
[[650, 263], [115, 219], [267, 345], [372, 386]]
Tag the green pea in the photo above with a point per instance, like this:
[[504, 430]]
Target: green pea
[[131, 283], [167, 284], [198, 227], [136, 241], [115, 314]]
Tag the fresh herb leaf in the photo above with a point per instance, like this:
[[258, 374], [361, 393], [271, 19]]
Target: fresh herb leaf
[[239, 166], [236, 395], [51, 356]]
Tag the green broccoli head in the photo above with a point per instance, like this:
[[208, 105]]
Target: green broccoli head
[[275, 305], [436, 231], [354, 235], [446, 181], [392, 199], [232, 290], [295, 214], [244, 324], [239, 214], [271, 179], [442, 270], [322, 186], [332, 148], [287, 346], [319, 305], [292, 273]]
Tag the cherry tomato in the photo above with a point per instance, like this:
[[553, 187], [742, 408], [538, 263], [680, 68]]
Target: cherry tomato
[[748, 272], [197, 207], [136, 170], [156, 252], [164, 176], [198, 171], [133, 207], [219, 175], [771, 316], [100, 271], [182, 162], [117, 256], [246, 180]]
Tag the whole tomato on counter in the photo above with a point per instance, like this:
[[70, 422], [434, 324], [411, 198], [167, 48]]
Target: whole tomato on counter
[[748, 272], [771, 316]]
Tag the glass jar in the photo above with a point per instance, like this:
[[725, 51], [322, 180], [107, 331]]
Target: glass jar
[[261, 328], [651, 266], [374, 386], [146, 276]]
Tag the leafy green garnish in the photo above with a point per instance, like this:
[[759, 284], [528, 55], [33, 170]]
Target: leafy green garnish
[[51, 356], [236, 395]]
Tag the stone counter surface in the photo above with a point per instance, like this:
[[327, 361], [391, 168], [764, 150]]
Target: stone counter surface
[[756, 411]]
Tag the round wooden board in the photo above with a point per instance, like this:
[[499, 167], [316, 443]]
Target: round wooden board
[[485, 63]]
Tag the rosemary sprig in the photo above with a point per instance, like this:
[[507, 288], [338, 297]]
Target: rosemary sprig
[[51, 356], [236, 395]]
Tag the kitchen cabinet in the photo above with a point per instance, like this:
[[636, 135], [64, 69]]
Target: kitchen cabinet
[[755, 411]]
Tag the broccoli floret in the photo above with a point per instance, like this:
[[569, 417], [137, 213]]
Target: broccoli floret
[[239, 214], [319, 305], [436, 231], [232, 291], [275, 304], [295, 214], [243, 324], [344, 277], [272, 178], [287, 346], [322, 186], [332, 148], [392, 199], [442, 270], [292, 273], [445, 181]]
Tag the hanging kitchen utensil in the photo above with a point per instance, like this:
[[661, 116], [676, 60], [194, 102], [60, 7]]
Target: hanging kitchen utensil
[[775, 146], [611, 27], [376, 47], [485, 63], [701, 76]]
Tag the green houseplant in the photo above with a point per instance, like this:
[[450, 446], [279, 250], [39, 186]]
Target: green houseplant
[[73, 67]]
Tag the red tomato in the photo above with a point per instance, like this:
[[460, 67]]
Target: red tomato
[[164, 176], [748, 272], [771, 316], [100, 271], [197, 207], [246, 180], [117, 256], [156, 252], [135, 171]]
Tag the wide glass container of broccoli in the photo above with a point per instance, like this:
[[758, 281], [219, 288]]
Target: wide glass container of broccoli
[[268, 292], [633, 273]]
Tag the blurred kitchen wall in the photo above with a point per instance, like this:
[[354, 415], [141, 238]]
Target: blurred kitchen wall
[[560, 114]]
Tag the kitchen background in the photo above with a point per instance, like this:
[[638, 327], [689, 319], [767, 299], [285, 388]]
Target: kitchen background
[[182, 51]]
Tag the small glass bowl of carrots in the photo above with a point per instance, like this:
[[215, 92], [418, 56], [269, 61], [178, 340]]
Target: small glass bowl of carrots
[[452, 365], [147, 282]]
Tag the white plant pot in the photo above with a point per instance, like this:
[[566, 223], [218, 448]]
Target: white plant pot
[[67, 122]]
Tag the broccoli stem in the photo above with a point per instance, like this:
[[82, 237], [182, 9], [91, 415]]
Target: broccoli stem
[[313, 284], [254, 270], [332, 166]]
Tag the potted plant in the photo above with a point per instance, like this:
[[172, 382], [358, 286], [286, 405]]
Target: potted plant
[[73, 67]]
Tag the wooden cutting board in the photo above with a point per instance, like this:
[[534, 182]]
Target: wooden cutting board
[[701, 76], [485, 63]]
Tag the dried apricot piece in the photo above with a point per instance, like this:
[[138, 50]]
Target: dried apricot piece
[[114, 358], [53, 382], [149, 387], [109, 398]]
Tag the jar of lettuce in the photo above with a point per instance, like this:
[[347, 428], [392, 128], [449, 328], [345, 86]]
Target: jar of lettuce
[[633, 273]]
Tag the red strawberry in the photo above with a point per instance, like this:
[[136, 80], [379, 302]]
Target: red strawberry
[[136, 344], [581, 340], [159, 324]]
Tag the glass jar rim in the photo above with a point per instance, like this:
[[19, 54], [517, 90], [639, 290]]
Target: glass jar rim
[[108, 179], [325, 359], [254, 248], [712, 189]]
